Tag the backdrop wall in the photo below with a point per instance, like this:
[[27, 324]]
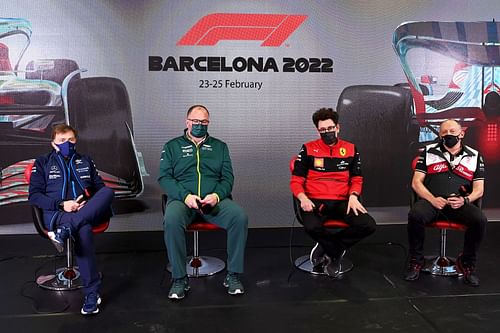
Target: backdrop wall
[[265, 124]]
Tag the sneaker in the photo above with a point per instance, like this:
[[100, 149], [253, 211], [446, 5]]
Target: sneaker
[[413, 270], [468, 270], [233, 283], [59, 237], [91, 304], [179, 288], [317, 256], [332, 266]]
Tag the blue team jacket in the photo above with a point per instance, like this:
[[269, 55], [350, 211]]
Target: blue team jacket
[[53, 180]]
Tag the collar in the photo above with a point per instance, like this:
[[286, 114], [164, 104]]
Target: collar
[[463, 150], [452, 160], [55, 153], [322, 143]]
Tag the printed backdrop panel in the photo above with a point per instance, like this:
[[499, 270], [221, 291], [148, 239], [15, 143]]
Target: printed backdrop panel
[[261, 68]]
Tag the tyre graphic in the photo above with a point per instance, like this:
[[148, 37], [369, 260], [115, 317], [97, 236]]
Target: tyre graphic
[[99, 108], [377, 120]]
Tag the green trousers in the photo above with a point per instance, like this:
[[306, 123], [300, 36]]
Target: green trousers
[[227, 215]]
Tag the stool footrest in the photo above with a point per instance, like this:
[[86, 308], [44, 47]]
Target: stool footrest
[[202, 266], [441, 266], [65, 279]]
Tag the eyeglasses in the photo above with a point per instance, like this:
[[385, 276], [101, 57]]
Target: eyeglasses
[[328, 129], [199, 121]]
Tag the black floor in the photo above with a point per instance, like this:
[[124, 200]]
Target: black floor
[[372, 297]]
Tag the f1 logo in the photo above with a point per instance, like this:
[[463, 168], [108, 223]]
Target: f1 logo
[[272, 29]]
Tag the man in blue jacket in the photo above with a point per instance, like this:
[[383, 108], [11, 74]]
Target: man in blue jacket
[[73, 197]]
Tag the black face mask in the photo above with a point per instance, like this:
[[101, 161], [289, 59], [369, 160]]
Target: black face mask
[[450, 140], [329, 138]]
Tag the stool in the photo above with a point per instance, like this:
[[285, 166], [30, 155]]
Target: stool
[[64, 278], [68, 277], [303, 263], [196, 265], [442, 265]]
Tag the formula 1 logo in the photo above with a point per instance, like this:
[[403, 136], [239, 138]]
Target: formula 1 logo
[[272, 29]]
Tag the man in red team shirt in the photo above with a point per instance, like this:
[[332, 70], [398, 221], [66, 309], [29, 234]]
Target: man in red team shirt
[[326, 180]]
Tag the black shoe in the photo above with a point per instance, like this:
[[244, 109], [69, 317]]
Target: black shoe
[[413, 270], [318, 269], [468, 270], [332, 266], [317, 256]]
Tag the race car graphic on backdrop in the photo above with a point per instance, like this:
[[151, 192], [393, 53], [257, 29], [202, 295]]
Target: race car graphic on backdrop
[[51, 91], [453, 72]]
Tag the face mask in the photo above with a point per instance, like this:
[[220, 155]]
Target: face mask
[[66, 149], [199, 130], [329, 137], [450, 140]]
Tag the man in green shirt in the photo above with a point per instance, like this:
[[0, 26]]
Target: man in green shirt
[[196, 173]]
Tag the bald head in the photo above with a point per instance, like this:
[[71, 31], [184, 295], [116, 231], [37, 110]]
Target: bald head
[[197, 107], [450, 123], [451, 133], [451, 127]]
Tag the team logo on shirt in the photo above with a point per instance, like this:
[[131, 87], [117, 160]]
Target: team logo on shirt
[[438, 167], [342, 151], [206, 147], [319, 163], [54, 172]]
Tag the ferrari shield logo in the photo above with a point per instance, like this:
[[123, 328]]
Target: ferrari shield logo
[[318, 162], [342, 151]]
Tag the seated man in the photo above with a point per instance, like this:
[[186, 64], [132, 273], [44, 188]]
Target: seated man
[[448, 178], [327, 181], [197, 175], [73, 197]]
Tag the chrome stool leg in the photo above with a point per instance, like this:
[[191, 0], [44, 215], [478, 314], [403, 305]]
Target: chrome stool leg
[[65, 278], [199, 266], [441, 265]]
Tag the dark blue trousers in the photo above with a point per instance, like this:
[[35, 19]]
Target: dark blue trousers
[[94, 212]]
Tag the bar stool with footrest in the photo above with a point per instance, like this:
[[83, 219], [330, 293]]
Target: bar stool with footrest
[[196, 265], [64, 278], [304, 263], [441, 265]]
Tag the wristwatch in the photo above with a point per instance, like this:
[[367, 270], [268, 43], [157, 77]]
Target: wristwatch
[[61, 205], [466, 200]]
